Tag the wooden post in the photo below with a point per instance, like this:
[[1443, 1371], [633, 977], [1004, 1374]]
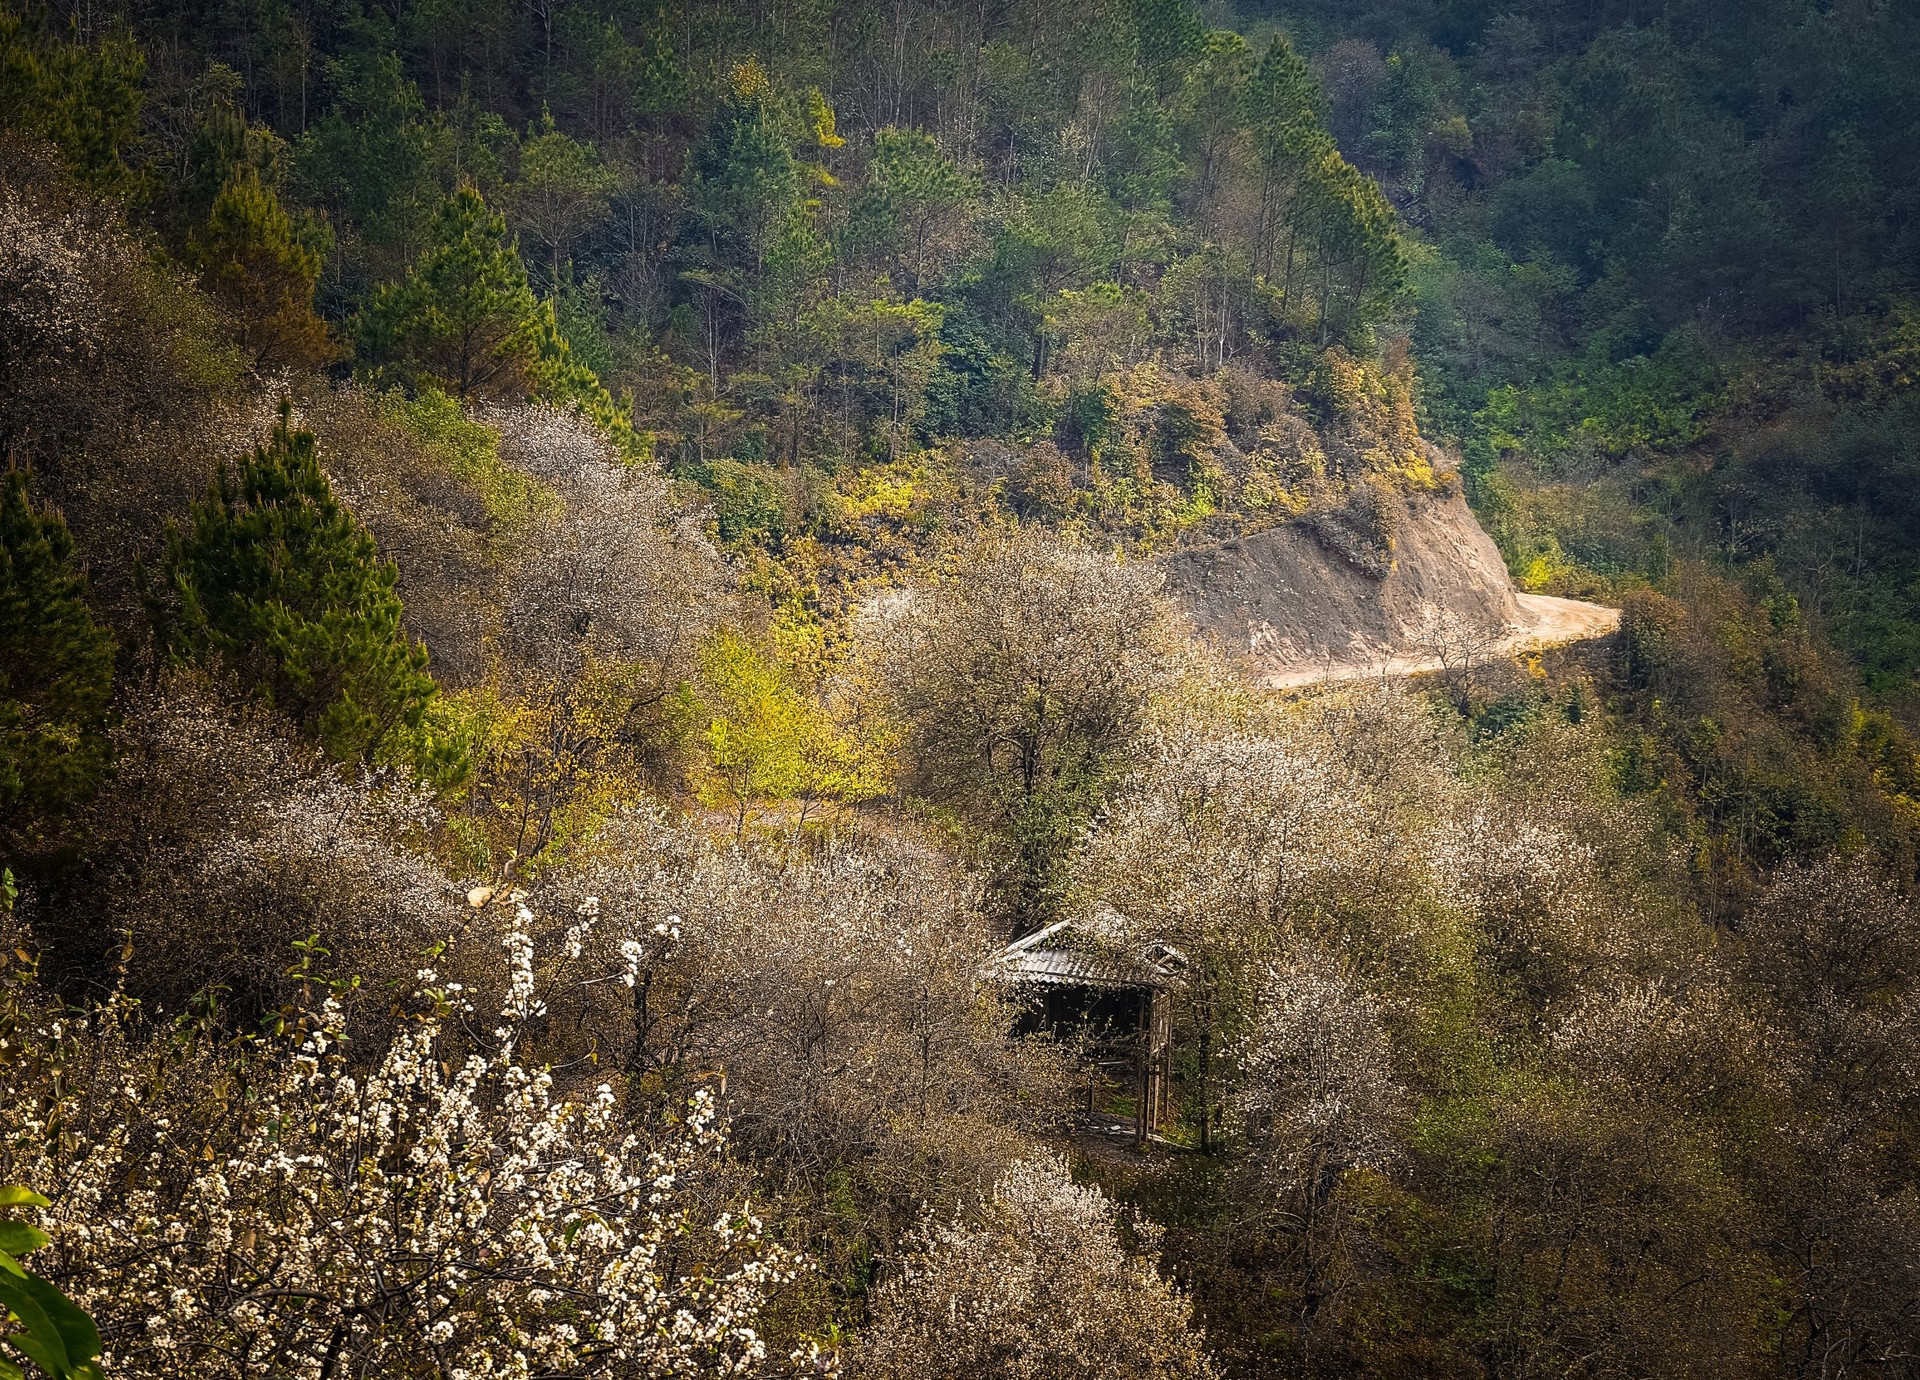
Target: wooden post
[[1146, 1083], [1143, 1106], [1159, 1039]]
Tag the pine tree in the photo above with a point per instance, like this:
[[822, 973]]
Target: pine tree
[[1211, 111], [465, 321], [1282, 102], [1282, 106], [56, 671], [465, 317], [1351, 226], [274, 583], [563, 192], [373, 160], [1170, 35], [84, 99], [253, 260], [745, 181], [913, 189]]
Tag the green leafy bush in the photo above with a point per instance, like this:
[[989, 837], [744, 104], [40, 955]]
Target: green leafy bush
[[55, 1335]]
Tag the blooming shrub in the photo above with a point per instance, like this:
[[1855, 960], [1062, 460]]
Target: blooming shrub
[[428, 1214], [1039, 1285], [226, 839]]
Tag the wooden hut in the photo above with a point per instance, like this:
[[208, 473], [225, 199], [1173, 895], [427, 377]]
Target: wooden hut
[[1084, 982]]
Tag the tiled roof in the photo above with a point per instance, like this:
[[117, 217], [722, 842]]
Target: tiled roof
[[1060, 955]]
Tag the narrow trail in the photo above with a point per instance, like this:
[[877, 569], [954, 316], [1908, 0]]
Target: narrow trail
[[1544, 621]]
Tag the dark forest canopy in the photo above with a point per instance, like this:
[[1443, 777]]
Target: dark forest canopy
[[571, 571]]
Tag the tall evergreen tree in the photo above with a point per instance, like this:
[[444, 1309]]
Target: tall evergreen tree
[[466, 321], [84, 99], [745, 181], [1360, 264], [275, 584], [1282, 106], [912, 189], [465, 317], [56, 671], [254, 260], [1170, 35], [1210, 109], [562, 193], [373, 161]]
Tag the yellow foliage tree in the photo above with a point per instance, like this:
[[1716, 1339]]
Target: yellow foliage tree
[[768, 739]]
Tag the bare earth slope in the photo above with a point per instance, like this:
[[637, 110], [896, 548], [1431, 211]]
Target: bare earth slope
[[1303, 613]]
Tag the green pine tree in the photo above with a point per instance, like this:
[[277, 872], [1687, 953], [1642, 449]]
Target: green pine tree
[[84, 99], [563, 192], [744, 181], [277, 585], [465, 321], [56, 672], [464, 318], [1170, 35], [912, 188], [1282, 105], [373, 160], [253, 259]]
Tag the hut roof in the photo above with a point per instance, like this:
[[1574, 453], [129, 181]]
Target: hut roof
[[1087, 954]]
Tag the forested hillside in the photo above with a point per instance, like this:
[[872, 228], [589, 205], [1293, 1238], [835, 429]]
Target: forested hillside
[[572, 572]]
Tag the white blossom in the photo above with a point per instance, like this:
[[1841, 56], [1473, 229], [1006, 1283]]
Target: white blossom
[[433, 1213], [1038, 1284]]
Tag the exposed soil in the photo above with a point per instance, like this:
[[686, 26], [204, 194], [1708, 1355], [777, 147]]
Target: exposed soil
[[1302, 613], [1543, 621]]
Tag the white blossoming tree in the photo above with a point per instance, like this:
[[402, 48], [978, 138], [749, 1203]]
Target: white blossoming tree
[[1038, 1285], [1228, 845], [1318, 1096], [429, 1215]]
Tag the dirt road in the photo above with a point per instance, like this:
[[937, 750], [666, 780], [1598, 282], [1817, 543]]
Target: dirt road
[[1543, 621]]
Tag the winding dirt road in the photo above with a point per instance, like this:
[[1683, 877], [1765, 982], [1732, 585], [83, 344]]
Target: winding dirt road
[[1544, 621]]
